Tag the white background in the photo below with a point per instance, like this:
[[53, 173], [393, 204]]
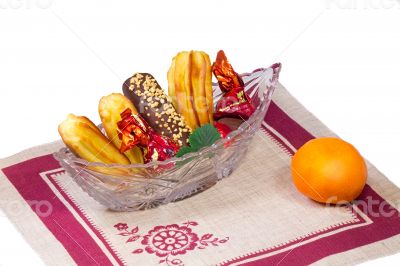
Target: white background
[[340, 58]]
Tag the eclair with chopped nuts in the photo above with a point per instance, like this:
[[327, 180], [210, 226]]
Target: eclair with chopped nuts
[[156, 107]]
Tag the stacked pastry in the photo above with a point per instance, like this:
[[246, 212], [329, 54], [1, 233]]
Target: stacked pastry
[[146, 125], [156, 125]]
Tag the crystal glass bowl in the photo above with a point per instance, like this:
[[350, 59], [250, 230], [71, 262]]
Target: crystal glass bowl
[[141, 186]]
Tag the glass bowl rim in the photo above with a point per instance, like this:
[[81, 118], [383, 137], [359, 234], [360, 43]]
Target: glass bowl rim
[[65, 152]]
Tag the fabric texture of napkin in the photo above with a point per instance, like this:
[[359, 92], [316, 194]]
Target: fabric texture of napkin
[[253, 217]]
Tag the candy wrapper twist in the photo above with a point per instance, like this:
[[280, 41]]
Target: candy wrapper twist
[[134, 131], [234, 102]]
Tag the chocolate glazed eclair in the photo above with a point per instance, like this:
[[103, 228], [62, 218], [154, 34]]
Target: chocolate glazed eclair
[[156, 107]]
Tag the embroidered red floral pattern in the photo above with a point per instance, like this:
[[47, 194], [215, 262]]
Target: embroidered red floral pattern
[[170, 240], [121, 226]]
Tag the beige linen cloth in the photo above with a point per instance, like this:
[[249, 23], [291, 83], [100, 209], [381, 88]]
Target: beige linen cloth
[[254, 217]]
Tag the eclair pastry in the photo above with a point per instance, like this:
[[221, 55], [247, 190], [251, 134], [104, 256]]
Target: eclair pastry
[[85, 140], [156, 107], [110, 109], [190, 87]]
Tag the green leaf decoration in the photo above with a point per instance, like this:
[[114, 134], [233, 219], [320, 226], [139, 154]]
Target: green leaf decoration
[[202, 137], [183, 151]]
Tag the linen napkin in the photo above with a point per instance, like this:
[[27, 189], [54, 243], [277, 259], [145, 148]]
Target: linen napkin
[[253, 217]]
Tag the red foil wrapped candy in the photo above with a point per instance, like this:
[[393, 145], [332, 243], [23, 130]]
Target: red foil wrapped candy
[[234, 102], [133, 130], [223, 129]]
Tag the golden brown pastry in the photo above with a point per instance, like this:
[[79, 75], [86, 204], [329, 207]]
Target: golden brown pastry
[[190, 87], [209, 88], [84, 139], [110, 109]]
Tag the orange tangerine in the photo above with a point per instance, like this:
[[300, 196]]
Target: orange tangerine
[[329, 170]]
